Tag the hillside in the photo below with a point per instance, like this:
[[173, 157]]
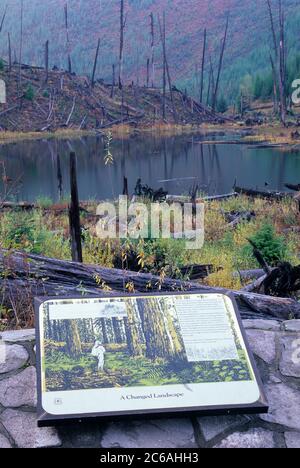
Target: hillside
[[69, 101], [247, 51]]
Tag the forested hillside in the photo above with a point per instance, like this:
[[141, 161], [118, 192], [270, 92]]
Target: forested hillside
[[246, 55]]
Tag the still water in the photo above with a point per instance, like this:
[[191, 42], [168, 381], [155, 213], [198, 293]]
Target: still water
[[174, 163]]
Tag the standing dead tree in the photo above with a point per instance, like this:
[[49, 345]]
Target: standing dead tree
[[282, 65], [223, 45], [122, 31], [152, 48], [47, 60], [148, 72], [203, 66], [211, 82], [112, 94], [3, 19], [278, 64], [9, 53], [68, 38], [74, 213], [162, 30], [95, 63], [20, 50]]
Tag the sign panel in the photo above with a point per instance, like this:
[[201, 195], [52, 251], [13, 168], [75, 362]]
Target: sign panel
[[135, 355]]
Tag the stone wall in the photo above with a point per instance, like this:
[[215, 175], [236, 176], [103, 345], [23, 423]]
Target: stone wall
[[276, 348]]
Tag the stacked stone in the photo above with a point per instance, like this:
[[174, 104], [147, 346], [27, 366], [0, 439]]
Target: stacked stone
[[276, 347]]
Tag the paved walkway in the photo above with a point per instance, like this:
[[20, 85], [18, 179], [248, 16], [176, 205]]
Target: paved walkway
[[277, 350]]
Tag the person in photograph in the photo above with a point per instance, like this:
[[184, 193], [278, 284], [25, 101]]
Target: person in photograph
[[99, 351]]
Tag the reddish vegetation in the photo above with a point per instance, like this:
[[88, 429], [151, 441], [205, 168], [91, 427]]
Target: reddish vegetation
[[186, 20]]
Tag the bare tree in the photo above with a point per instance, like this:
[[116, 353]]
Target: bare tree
[[9, 52], [95, 63], [152, 48], [274, 62], [122, 31], [3, 19], [47, 60], [223, 45], [112, 94], [166, 65], [21, 48], [202, 66], [68, 38], [282, 65], [148, 72]]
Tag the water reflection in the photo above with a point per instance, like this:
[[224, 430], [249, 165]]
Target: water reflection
[[175, 163]]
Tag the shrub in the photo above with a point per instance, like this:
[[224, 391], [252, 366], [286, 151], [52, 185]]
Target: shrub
[[29, 93], [272, 246], [1, 65]]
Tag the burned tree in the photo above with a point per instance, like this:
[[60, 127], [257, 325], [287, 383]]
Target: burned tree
[[74, 213], [47, 60], [9, 52], [223, 45], [3, 19], [162, 30], [203, 66], [278, 64], [68, 38], [95, 63], [282, 65], [122, 31], [152, 47]]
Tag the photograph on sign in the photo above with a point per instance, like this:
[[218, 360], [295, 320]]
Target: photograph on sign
[[121, 355]]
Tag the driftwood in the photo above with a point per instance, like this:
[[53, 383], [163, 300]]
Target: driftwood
[[20, 273]]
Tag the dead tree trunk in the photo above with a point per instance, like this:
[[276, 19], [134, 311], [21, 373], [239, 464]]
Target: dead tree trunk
[[282, 69], [68, 39], [112, 94], [59, 178], [211, 83], [152, 48], [3, 19], [25, 275], [47, 60], [274, 84], [167, 70], [9, 53], [216, 90], [122, 30], [274, 63], [148, 72], [203, 66], [74, 213], [20, 51], [95, 63]]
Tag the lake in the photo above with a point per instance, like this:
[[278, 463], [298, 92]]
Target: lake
[[174, 163]]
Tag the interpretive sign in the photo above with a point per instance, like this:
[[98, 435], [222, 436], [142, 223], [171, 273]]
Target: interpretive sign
[[115, 356]]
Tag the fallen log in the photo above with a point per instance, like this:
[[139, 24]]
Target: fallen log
[[271, 195], [24, 276], [196, 272], [295, 188], [20, 205], [187, 199], [249, 274]]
